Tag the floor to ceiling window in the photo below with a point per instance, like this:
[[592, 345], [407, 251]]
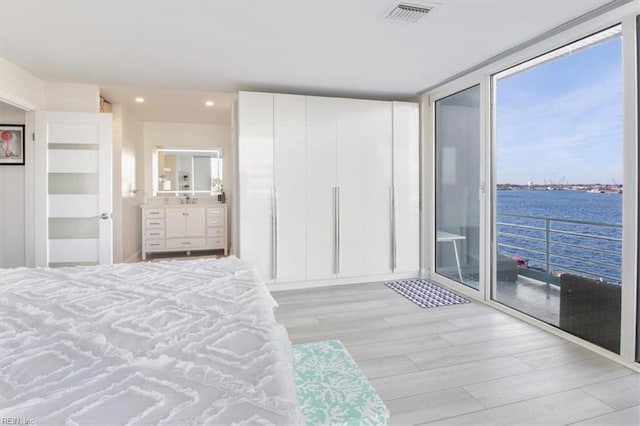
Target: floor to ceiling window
[[457, 180], [558, 202]]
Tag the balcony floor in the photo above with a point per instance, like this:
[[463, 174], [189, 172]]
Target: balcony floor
[[527, 295], [532, 297]]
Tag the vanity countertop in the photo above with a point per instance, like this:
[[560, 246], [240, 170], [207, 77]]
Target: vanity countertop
[[176, 204]]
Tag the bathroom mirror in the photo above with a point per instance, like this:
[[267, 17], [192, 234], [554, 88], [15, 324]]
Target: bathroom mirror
[[187, 171]]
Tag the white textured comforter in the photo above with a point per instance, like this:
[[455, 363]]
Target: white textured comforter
[[186, 342]]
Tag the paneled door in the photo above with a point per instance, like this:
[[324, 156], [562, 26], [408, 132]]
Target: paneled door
[[195, 222], [73, 188], [174, 223], [185, 222]]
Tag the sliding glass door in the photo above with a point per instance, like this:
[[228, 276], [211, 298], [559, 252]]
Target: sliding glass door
[[558, 196], [457, 183]]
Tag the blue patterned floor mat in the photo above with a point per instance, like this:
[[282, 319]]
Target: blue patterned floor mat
[[425, 294]]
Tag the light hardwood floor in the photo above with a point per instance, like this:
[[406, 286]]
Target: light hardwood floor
[[462, 364]]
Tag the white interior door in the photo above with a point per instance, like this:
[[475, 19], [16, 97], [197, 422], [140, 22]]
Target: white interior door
[[73, 188], [322, 116], [290, 188], [255, 181], [406, 181]]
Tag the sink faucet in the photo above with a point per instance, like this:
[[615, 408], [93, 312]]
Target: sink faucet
[[187, 199]]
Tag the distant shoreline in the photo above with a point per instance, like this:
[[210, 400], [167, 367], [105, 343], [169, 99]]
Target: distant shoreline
[[564, 187]]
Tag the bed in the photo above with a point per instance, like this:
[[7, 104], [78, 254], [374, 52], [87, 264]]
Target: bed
[[174, 342]]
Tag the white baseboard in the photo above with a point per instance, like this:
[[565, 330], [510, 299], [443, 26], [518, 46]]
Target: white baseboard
[[299, 285]]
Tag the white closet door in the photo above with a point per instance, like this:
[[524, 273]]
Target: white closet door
[[290, 188], [73, 189], [406, 176], [255, 180], [377, 168], [353, 118], [321, 166]]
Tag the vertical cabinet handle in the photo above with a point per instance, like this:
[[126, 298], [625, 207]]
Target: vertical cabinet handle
[[393, 227], [336, 203], [274, 233]]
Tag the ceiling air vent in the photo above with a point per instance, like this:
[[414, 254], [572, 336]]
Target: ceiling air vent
[[408, 12]]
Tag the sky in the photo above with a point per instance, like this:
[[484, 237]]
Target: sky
[[562, 119]]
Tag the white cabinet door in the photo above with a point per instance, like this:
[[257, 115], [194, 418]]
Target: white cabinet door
[[255, 180], [352, 184], [377, 168], [174, 222], [290, 188], [195, 222], [322, 116], [406, 177]]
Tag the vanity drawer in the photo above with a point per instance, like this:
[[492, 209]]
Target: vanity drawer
[[153, 213], [152, 234], [185, 243], [217, 243], [215, 232], [215, 211], [215, 220], [154, 244], [154, 223]]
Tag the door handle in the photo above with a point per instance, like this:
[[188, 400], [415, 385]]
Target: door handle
[[274, 233], [393, 229], [103, 216], [337, 227]]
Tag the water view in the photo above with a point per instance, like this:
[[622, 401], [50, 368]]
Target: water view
[[562, 231]]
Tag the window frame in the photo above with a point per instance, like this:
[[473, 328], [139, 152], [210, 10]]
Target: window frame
[[625, 16]]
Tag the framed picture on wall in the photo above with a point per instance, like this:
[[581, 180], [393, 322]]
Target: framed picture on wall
[[11, 144]]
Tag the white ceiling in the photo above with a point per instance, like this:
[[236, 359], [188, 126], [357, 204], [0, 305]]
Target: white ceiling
[[178, 106], [194, 48]]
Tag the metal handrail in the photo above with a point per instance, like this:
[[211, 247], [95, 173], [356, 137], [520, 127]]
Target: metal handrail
[[546, 246], [554, 219]]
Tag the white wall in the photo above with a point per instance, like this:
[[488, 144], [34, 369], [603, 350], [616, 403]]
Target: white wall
[[12, 199], [186, 134], [24, 90], [128, 144], [71, 97], [20, 88]]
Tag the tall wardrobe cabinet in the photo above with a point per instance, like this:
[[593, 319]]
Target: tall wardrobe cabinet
[[318, 200]]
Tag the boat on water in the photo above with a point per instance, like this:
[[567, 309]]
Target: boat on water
[[596, 191]]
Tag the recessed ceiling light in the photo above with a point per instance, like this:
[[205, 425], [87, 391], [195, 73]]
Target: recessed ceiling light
[[209, 103], [139, 100]]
